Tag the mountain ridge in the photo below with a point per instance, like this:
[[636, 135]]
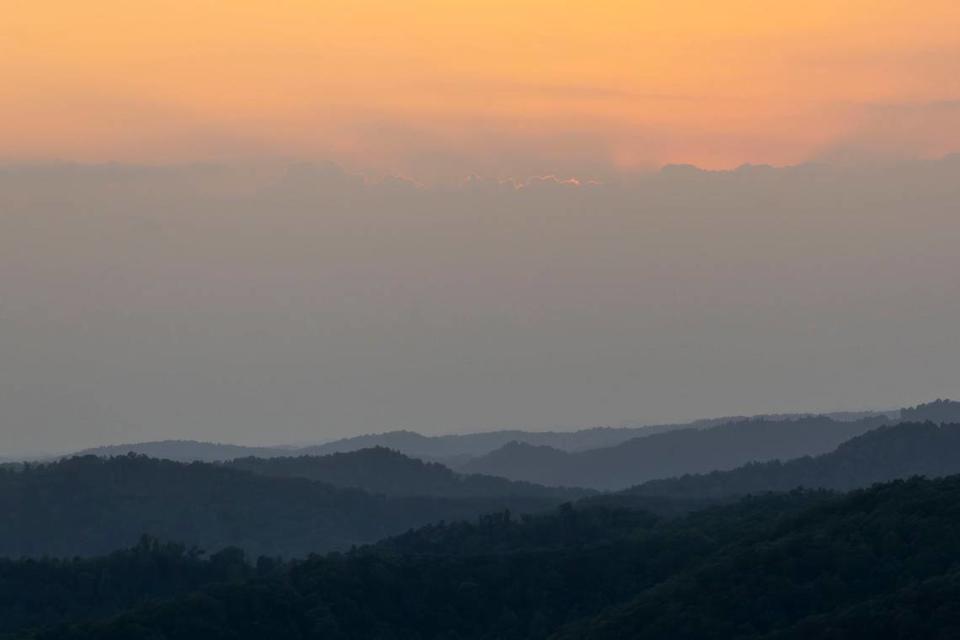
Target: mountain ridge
[[885, 454], [672, 453]]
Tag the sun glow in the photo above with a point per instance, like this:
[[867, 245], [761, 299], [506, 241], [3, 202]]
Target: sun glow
[[435, 89]]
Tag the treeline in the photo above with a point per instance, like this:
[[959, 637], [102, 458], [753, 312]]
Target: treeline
[[90, 506], [876, 563]]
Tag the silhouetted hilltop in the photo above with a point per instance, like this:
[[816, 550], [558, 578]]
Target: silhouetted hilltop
[[885, 454], [671, 454], [522, 458], [184, 451], [90, 505], [381, 470], [938, 411]]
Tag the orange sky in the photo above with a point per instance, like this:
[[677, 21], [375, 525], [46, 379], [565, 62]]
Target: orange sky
[[445, 88]]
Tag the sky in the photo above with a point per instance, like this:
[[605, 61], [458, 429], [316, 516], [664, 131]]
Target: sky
[[290, 221], [225, 304], [437, 90]]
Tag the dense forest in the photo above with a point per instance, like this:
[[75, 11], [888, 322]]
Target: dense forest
[[887, 453], [673, 453], [90, 505], [877, 563], [375, 545]]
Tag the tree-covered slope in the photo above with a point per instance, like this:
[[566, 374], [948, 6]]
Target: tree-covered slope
[[35, 593], [499, 576], [87, 506], [821, 570], [781, 566], [388, 472]]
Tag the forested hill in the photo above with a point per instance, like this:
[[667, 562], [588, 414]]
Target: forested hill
[[381, 470], [939, 411], [878, 563], [885, 454], [90, 505], [671, 454]]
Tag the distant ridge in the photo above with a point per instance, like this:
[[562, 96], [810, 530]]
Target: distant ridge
[[457, 448], [384, 471], [672, 453], [885, 454], [453, 450], [184, 451]]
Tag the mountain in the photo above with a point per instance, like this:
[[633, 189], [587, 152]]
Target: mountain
[[89, 505], [451, 450], [383, 471], [673, 453], [184, 451], [938, 411], [878, 563], [885, 454], [462, 447]]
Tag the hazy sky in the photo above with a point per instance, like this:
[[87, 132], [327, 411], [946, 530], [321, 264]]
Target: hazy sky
[[257, 307], [439, 89], [255, 221]]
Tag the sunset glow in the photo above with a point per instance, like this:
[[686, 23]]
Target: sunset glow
[[440, 89]]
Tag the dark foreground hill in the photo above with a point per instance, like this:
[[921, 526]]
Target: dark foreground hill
[[671, 454], [882, 563], [86, 506], [387, 472], [885, 454]]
